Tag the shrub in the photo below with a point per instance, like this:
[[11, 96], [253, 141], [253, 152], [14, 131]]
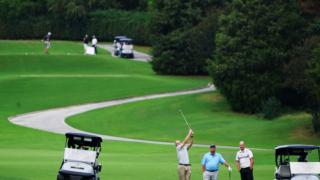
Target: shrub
[[185, 52], [270, 108]]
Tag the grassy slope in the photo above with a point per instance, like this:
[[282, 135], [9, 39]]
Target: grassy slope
[[31, 154], [210, 116], [28, 154]]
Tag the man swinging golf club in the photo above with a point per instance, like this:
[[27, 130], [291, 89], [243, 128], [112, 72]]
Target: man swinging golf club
[[210, 164], [184, 169]]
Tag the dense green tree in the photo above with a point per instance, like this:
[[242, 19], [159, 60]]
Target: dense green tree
[[253, 45], [67, 19], [183, 35]]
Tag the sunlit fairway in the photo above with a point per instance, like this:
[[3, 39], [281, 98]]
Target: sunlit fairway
[[31, 81], [209, 115]]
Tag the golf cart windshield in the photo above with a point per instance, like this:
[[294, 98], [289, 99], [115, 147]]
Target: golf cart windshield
[[301, 153], [83, 141]]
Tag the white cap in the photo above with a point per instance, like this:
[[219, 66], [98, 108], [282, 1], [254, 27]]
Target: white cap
[[49, 33]]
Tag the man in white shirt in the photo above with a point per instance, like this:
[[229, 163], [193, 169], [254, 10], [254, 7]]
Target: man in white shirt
[[184, 169], [94, 43], [244, 160]]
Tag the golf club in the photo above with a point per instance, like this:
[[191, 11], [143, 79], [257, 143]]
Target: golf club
[[184, 118], [229, 175]]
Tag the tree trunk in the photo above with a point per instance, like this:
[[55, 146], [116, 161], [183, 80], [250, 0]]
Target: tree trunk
[[316, 121]]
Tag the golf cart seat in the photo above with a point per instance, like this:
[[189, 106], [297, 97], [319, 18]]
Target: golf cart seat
[[284, 172]]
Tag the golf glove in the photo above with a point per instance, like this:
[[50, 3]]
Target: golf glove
[[229, 169]]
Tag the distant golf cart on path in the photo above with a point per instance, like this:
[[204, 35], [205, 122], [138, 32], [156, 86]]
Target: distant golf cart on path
[[117, 44], [80, 160], [123, 47], [292, 162]]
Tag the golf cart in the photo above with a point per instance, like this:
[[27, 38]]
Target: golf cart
[[80, 160], [292, 162], [126, 50], [117, 44]]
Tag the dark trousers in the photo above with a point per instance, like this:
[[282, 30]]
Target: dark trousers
[[95, 49], [246, 174]]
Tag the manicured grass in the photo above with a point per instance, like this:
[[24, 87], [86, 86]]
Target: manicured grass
[[36, 81], [145, 49], [210, 116]]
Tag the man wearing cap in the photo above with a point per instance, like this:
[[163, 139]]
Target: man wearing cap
[[210, 164], [46, 41], [244, 161], [184, 169]]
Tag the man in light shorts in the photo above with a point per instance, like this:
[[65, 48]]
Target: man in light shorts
[[47, 44], [210, 164], [244, 161], [184, 166]]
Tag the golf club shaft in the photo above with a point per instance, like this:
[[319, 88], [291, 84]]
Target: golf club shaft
[[184, 118]]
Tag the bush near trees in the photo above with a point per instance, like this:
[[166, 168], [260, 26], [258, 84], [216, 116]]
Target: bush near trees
[[267, 52], [183, 35], [253, 44], [185, 52]]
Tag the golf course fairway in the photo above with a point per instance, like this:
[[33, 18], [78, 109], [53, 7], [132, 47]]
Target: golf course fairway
[[31, 81]]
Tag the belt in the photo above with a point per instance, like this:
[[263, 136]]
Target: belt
[[184, 164], [212, 170]]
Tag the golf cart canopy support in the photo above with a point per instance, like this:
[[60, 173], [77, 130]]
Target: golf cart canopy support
[[294, 150]]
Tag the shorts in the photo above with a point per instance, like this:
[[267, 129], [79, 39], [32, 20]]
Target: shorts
[[47, 44]]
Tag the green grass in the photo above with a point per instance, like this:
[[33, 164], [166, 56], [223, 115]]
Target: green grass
[[210, 116], [36, 81], [144, 49]]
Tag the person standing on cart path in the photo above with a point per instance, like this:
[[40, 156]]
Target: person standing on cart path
[[184, 166], [210, 164], [85, 43], [94, 43], [47, 44], [244, 161]]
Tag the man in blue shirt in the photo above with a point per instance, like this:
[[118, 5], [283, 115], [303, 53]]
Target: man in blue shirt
[[210, 164]]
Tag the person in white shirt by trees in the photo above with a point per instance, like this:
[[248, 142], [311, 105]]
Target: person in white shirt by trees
[[94, 44], [244, 161], [184, 166]]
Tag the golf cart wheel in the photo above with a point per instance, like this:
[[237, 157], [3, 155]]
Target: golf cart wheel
[[60, 177]]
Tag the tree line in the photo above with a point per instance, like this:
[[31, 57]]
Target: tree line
[[263, 55], [71, 19]]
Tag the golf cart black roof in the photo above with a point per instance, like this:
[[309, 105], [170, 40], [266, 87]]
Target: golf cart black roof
[[295, 149], [126, 40], [117, 38], [82, 139], [282, 152]]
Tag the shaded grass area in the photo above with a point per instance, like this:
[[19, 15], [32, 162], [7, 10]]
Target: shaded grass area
[[144, 49]]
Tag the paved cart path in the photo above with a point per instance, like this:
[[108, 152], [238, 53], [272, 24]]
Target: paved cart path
[[138, 56], [53, 120]]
